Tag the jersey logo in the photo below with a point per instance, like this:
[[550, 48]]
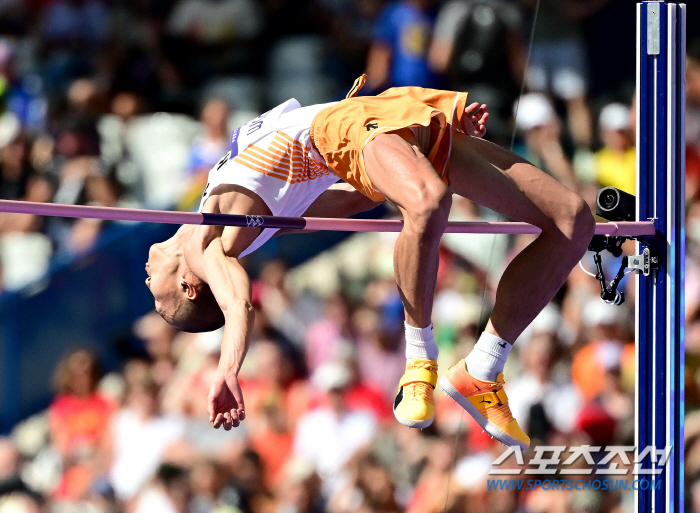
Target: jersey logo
[[223, 161], [371, 126], [254, 221]]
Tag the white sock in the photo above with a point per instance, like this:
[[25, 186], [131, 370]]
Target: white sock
[[487, 359], [420, 343]]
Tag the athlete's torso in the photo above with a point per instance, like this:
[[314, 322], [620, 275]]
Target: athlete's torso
[[273, 157]]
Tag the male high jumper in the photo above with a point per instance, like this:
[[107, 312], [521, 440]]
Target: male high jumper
[[415, 148]]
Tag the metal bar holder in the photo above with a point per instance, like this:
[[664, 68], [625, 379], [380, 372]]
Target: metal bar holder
[[659, 306]]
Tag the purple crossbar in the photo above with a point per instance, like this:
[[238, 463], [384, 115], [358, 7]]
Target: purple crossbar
[[626, 228], [298, 223]]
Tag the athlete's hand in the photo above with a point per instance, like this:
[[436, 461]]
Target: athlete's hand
[[225, 401], [475, 119]]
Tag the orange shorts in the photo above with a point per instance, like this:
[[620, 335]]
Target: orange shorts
[[341, 131]]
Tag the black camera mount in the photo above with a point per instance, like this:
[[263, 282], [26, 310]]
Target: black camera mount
[[643, 263], [615, 205]]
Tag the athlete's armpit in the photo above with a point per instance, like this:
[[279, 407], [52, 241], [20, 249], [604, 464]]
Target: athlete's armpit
[[340, 201], [233, 199]]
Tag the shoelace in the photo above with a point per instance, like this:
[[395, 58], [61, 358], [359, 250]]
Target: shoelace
[[420, 390], [423, 365]]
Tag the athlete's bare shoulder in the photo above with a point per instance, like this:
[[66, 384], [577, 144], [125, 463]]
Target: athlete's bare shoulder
[[224, 199], [234, 199]]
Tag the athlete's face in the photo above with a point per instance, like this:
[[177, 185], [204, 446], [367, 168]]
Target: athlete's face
[[163, 269]]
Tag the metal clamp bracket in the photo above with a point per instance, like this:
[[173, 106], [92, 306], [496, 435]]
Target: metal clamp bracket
[[644, 262]]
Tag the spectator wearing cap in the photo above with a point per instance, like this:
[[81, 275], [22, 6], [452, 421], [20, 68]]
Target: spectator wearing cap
[[559, 61], [330, 436], [616, 161], [300, 489], [540, 128]]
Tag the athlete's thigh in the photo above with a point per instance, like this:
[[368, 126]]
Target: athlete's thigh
[[398, 169], [505, 182]]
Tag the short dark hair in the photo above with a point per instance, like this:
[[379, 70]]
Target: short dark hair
[[198, 315]]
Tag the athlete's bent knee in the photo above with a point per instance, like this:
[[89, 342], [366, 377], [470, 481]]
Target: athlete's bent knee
[[578, 224], [430, 209], [584, 223]]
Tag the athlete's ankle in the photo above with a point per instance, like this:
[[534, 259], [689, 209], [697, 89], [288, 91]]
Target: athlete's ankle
[[488, 358], [420, 343]]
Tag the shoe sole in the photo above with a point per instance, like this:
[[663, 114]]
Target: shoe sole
[[420, 424], [491, 428]]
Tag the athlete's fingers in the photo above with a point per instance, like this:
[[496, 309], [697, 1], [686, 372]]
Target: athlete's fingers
[[471, 109], [475, 108], [213, 405], [480, 127], [482, 124], [479, 114], [477, 118], [238, 396], [219, 420], [235, 420]]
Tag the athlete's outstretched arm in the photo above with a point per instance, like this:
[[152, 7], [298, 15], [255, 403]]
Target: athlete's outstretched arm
[[231, 287]]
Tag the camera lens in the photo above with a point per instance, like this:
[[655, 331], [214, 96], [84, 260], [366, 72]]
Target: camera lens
[[609, 199], [615, 205]]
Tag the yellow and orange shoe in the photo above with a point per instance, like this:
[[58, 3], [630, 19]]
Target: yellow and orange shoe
[[413, 406], [486, 402]]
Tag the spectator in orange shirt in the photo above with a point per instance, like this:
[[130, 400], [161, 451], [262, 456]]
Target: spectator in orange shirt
[[78, 419]]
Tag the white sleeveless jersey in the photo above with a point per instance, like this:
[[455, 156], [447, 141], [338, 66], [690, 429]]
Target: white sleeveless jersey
[[272, 156]]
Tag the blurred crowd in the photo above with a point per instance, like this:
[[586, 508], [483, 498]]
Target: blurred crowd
[[319, 381], [130, 103]]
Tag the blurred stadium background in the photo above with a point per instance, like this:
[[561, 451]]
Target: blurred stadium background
[[130, 102]]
